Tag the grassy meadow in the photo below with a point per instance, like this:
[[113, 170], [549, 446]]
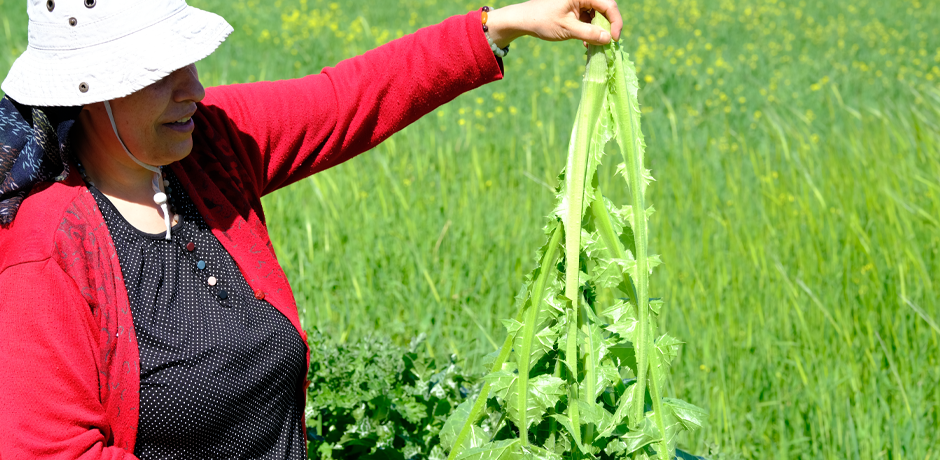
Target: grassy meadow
[[796, 147]]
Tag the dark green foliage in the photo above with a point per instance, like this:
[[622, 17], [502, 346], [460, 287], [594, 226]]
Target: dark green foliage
[[372, 400]]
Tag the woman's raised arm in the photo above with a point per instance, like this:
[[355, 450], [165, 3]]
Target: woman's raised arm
[[280, 132]]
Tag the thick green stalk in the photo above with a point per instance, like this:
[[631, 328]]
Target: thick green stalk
[[592, 101], [611, 240], [589, 385], [551, 252], [547, 267], [552, 423], [626, 113], [663, 449], [617, 251]]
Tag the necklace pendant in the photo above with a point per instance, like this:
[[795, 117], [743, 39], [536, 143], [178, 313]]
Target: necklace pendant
[[160, 198]]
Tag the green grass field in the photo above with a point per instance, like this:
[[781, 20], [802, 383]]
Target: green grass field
[[796, 147]]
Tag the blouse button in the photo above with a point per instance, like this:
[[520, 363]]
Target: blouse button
[[201, 265], [222, 294], [191, 246], [212, 281], [259, 294]]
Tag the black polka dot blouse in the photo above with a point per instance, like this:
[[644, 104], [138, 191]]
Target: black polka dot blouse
[[221, 372]]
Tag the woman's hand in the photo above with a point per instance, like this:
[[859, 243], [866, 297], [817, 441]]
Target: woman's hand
[[554, 20]]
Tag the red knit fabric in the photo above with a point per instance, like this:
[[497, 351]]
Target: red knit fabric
[[69, 363]]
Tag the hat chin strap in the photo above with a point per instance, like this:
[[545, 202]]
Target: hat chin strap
[[159, 196]]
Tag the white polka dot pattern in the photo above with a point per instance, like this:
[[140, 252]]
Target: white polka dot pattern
[[221, 372]]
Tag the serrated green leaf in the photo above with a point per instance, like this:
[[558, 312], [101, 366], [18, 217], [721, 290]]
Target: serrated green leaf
[[690, 416], [594, 414], [523, 293], [512, 326], [557, 301], [502, 380], [627, 265], [617, 310], [654, 261], [593, 341], [677, 416], [656, 305], [623, 216], [507, 449], [593, 244], [545, 340], [608, 272], [597, 366], [626, 325], [645, 434], [606, 375], [455, 422], [531, 452], [565, 421], [668, 348], [623, 354], [673, 426], [544, 392], [624, 407], [645, 176], [558, 442], [542, 342], [489, 359], [615, 447], [550, 310]]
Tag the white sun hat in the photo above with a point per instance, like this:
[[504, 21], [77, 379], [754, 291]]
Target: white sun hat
[[86, 51]]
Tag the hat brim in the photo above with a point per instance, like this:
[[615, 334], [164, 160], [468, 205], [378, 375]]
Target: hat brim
[[55, 78]]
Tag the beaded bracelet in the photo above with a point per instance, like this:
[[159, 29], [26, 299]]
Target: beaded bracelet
[[499, 52]]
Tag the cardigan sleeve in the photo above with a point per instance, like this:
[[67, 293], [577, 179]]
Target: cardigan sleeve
[[49, 398], [283, 131]]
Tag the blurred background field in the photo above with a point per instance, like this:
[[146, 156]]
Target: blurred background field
[[796, 147]]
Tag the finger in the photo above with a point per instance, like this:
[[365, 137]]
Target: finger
[[585, 44], [609, 9], [587, 32]]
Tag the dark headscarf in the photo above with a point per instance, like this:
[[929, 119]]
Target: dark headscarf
[[33, 150]]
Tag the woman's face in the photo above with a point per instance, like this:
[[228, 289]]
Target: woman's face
[[155, 123]]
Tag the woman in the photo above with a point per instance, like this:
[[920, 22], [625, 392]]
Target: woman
[[143, 311]]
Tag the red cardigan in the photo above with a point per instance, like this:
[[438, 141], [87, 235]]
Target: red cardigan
[[69, 364]]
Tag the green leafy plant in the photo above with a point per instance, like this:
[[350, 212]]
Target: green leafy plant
[[577, 377], [372, 400]]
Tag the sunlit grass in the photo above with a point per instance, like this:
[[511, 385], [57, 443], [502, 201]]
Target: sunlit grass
[[799, 145]]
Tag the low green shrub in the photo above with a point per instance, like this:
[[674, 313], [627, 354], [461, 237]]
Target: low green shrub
[[371, 399]]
